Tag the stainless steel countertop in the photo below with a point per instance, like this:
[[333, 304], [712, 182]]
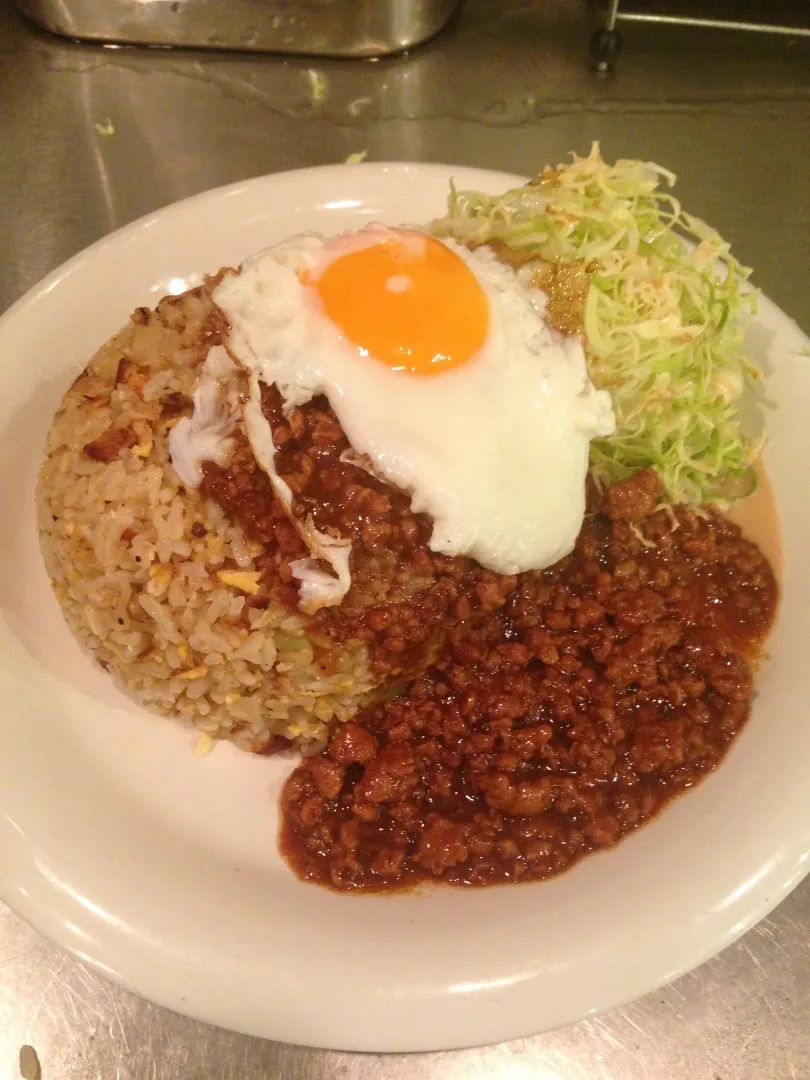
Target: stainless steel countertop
[[506, 87]]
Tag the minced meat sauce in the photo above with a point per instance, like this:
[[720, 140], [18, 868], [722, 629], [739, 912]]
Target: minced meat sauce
[[403, 596], [544, 716]]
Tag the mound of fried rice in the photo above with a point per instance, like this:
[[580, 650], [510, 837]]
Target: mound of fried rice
[[152, 578]]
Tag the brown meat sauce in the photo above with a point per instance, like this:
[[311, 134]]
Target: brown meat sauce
[[554, 724], [550, 714], [403, 596]]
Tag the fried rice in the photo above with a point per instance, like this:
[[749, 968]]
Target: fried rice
[[154, 579]]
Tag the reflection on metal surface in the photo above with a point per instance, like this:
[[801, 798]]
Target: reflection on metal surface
[[606, 44], [714, 24], [505, 88], [358, 28]]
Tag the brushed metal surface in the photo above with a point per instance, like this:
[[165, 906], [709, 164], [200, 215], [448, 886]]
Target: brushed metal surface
[[357, 28], [92, 138]]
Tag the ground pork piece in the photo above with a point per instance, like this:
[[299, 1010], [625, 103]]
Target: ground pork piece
[[390, 777], [109, 445], [442, 844], [634, 498], [351, 744]]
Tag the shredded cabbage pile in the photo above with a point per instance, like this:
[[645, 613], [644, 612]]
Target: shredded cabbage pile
[[662, 319]]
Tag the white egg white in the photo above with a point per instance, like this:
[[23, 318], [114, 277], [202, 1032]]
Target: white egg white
[[206, 434], [495, 451]]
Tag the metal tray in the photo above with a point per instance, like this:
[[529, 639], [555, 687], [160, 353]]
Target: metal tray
[[359, 28]]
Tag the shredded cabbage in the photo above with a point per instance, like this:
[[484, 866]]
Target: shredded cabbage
[[662, 318]]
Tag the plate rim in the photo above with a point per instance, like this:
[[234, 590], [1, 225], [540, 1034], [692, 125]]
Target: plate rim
[[228, 190], [71, 266]]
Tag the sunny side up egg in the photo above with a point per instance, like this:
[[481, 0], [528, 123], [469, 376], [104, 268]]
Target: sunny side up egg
[[441, 370]]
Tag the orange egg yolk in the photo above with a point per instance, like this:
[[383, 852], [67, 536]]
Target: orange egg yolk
[[408, 301]]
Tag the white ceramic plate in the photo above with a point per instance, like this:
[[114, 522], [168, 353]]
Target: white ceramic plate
[[160, 868]]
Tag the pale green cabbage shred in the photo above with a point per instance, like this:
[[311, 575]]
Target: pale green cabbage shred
[[662, 320]]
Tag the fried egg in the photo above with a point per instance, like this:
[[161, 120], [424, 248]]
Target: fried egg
[[441, 370]]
